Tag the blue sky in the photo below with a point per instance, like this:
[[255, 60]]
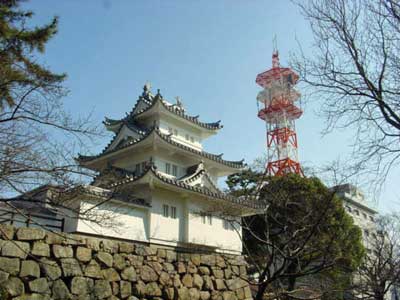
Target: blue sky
[[207, 52]]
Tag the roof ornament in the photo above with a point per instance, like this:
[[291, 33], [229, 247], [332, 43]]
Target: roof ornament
[[179, 104], [147, 88]]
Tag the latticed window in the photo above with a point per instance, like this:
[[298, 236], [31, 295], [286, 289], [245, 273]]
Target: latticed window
[[165, 210], [175, 170], [173, 212], [168, 168]]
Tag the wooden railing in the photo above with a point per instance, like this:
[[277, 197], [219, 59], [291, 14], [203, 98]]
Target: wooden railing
[[17, 219]]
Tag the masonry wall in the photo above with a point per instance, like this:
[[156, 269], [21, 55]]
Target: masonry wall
[[35, 264]]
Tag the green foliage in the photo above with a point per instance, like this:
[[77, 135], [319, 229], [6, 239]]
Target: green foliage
[[19, 71], [304, 232]]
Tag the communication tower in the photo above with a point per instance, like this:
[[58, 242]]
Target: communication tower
[[279, 112]]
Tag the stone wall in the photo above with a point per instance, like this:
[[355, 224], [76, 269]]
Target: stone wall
[[35, 264]]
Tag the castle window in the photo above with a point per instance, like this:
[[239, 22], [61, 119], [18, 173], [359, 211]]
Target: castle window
[[168, 168], [187, 137], [203, 218], [143, 166], [176, 132], [227, 225], [192, 139], [165, 211], [174, 170], [137, 169], [209, 218], [170, 130], [173, 212]]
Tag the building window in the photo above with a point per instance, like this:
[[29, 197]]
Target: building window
[[206, 218], [192, 139], [143, 166], [173, 212], [170, 130], [228, 225], [168, 168], [175, 170], [187, 137], [176, 132], [165, 211]]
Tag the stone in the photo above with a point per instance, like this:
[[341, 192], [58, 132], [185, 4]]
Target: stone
[[247, 292], [165, 279], [207, 260], [134, 260], [171, 256], [30, 234], [139, 289], [216, 295], [208, 284], [126, 247], [169, 293], [156, 266], [29, 268], [119, 262], [177, 282], [194, 294], [204, 270], [70, 267], [125, 289], [217, 272], [181, 268], [236, 283], [187, 280], [93, 243], [115, 288], [132, 298], [50, 269], [235, 270], [243, 271], [33, 296], [153, 290], [7, 231], [9, 265], [102, 289], [62, 251], [60, 290], [195, 259], [205, 295], [40, 285], [228, 273], [82, 286], [228, 295], [14, 286], [161, 253], [93, 270], [168, 267], [109, 246], [15, 249], [191, 268], [105, 258], [83, 254], [220, 261], [183, 294], [129, 274], [40, 249], [197, 281], [110, 274], [148, 274], [219, 284], [240, 294], [3, 276], [145, 251]]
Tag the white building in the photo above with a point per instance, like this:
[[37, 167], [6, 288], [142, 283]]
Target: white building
[[159, 184]]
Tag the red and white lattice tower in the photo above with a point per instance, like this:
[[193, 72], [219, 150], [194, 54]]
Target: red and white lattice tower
[[279, 113]]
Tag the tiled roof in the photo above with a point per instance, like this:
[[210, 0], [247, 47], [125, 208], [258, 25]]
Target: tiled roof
[[166, 138], [131, 177], [151, 101]]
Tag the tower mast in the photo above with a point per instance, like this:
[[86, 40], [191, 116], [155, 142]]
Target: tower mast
[[279, 113]]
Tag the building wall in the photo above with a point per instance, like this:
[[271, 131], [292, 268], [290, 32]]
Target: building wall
[[115, 219], [183, 134]]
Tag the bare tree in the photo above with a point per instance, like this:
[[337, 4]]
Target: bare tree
[[38, 136], [379, 273], [354, 72]]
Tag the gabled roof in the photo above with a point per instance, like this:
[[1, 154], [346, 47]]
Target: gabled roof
[[167, 138], [151, 170], [197, 171], [150, 102]]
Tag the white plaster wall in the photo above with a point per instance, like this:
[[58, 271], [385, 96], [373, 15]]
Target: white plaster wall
[[182, 131], [212, 235], [127, 221], [163, 228]]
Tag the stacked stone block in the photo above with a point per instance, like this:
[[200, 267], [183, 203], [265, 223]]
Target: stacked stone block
[[35, 264]]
